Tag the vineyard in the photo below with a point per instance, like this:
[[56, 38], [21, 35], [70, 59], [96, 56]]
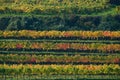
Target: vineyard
[[53, 53], [59, 39]]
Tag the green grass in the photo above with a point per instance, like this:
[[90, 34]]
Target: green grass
[[61, 77], [66, 41], [55, 53]]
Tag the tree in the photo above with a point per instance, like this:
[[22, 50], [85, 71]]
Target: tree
[[115, 2], [12, 26]]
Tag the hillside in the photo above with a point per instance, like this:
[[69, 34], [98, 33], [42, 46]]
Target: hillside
[[59, 39]]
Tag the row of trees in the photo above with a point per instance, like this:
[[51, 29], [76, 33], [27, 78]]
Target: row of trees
[[66, 22], [60, 69], [61, 34], [64, 59], [48, 46]]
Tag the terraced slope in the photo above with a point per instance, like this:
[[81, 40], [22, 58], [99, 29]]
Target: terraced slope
[[59, 39]]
